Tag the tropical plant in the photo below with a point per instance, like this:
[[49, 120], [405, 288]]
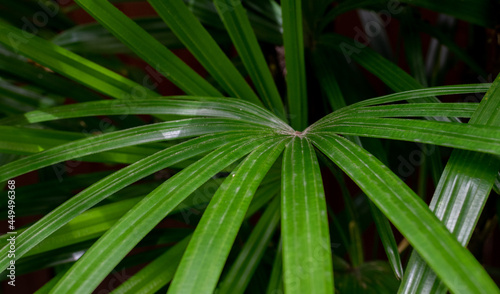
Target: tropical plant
[[247, 164]]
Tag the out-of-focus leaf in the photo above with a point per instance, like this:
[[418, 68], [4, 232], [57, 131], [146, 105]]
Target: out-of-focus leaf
[[19, 68], [276, 280], [157, 273], [374, 277], [243, 268], [478, 12], [148, 48], [71, 65], [94, 38], [204, 48], [293, 37], [391, 74], [236, 22]]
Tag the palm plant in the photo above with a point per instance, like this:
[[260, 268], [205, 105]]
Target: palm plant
[[259, 154]]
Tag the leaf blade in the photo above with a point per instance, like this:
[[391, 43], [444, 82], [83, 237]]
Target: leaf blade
[[83, 277], [454, 264], [240, 30], [463, 136], [391, 74], [473, 175], [110, 184], [403, 110], [199, 42], [176, 105], [247, 261], [71, 65], [307, 265], [293, 38], [157, 273], [328, 81], [206, 254], [90, 145], [149, 49]]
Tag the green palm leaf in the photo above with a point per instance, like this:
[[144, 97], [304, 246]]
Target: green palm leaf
[[473, 174], [199, 42], [239, 28], [404, 110], [230, 149], [276, 280], [206, 254], [422, 93], [111, 184], [71, 65], [18, 67], [246, 263], [295, 63], [177, 105], [25, 141], [149, 133], [453, 263], [392, 75], [89, 271], [156, 274], [149, 49], [326, 75], [87, 226], [462, 136], [307, 266]]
